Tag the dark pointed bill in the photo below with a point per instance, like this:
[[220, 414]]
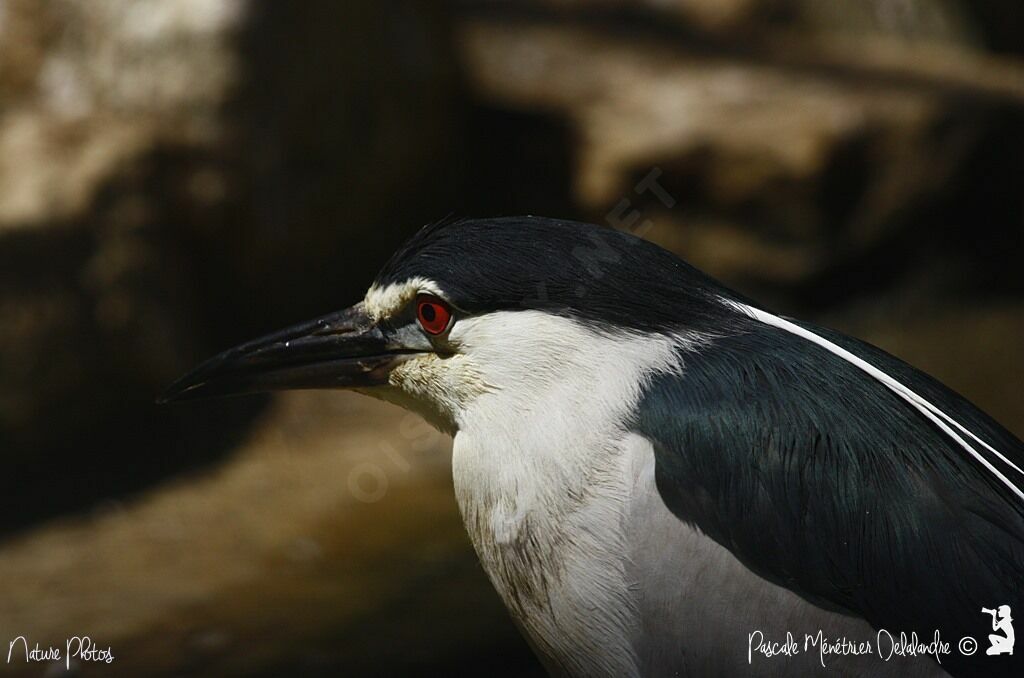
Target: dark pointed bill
[[341, 350]]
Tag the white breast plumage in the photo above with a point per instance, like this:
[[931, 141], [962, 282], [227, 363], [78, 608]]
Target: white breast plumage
[[544, 495]]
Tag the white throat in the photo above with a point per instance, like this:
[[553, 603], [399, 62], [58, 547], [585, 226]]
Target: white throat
[[556, 390], [541, 473]]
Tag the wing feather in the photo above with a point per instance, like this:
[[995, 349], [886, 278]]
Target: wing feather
[[854, 494]]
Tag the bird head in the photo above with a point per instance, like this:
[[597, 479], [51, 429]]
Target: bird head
[[472, 307]]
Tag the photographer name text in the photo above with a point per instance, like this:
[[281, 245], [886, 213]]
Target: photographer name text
[[886, 646]]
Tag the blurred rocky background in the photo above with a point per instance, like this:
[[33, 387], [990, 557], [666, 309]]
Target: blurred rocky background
[[179, 175]]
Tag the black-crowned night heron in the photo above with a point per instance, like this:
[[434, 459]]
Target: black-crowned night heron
[[654, 470]]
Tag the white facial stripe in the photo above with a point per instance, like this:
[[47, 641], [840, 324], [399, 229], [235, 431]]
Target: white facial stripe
[[928, 409], [382, 302]]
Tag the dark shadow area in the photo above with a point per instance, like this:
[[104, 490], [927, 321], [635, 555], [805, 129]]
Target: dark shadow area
[[990, 200], [516, 162], [79, 424]]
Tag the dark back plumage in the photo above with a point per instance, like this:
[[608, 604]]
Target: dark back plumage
[[828, 483]]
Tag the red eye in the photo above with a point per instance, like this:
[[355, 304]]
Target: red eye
[[433, 314]]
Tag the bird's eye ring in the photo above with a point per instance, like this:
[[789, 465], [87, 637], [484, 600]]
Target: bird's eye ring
[[433, 314]]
